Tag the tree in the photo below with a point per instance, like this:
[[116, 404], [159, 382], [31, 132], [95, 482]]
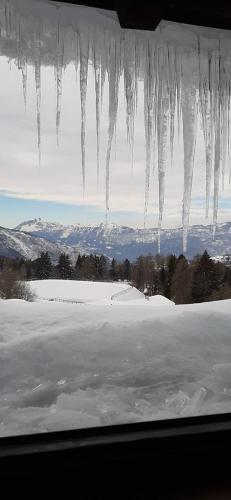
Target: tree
[[127, 270], [171, 268], [103, 268], [64, 267], [163, 280], [113, 271], [204, 280], [42, 266], [181, 282], [78, 265], [140, 273], [12, 288]]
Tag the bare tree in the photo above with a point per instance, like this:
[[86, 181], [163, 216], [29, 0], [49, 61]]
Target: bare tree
[[12, 288]]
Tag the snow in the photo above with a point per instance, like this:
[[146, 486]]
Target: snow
[[84, 291], [185, 71], [80, 365], [159, 300], [100, 293]]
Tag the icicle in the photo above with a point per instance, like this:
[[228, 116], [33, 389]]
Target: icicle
[[129, 86], [186, 73], [224, 97], [59, 73], [172, 95], [84, 56], [189, 115], [205, 108], [77, 56], [113, 75], [38, 91], [104, 64], [97, 104], [162, 133], [24, 82], [148, 120], [216, 175]]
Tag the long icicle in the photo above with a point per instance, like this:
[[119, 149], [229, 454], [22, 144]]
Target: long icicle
[[189, 115], [148, 121], [164, 108], [59, 74], [113, 75], [38, 90], [129, 86], [97, 106], [84, 57]]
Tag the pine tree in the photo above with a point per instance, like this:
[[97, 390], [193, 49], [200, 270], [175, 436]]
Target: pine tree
[[163, 279], [204, 280], [113, 271], [103, 268], [171, 268], [140, 273], [64, 267], [127, 270], [181, 282], [42, 266]]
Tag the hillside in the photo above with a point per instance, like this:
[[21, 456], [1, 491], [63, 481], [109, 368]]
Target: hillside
[[15, 244]]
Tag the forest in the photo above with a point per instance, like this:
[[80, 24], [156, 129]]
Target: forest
[[183, 281]]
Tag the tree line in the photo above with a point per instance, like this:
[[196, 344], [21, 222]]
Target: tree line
[[183, 281]]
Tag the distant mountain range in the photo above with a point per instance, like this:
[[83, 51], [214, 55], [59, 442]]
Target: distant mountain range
[[30, 237], [15, 244]]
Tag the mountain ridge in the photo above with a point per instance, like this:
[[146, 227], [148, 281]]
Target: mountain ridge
[[123, 242], [20, 244]]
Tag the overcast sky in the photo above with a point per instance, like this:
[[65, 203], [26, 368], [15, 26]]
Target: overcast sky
[[53, 191]]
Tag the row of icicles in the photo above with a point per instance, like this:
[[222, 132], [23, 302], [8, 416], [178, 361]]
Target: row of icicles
[[178, 80]]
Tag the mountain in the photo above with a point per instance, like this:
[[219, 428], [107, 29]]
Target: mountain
[[15, 244], [125, 242]]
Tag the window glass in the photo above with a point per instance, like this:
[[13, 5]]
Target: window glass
[[115, 237]]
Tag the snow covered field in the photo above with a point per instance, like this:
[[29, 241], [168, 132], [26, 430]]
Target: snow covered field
[[77, 365], [93, 291]]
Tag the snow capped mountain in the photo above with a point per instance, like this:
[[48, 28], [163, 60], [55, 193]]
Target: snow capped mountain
[[15, 244], [125, 242]]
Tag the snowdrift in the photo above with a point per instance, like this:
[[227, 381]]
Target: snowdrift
[[69, 366], [160, 300]]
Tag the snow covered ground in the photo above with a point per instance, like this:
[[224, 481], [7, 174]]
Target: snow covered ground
[[93, 291], [69, 365]]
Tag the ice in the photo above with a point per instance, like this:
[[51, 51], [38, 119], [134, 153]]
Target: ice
[[84, 56], [190, 75], [129, 85], [148, 119], [185, 72], [74, 365], [114, 69], [38, 91], [58, 75], [162, 133], [97, 97]]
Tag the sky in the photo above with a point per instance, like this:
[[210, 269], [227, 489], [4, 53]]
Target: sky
[[53, 190]]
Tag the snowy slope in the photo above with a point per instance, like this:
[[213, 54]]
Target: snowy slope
[[19, 244], [125, 242], [84, 291], [68, 365]]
